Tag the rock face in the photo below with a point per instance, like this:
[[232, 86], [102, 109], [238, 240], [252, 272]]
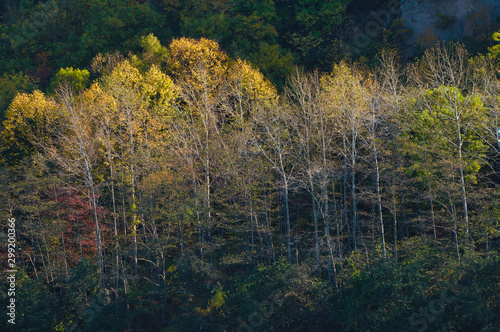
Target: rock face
[[433, 20]]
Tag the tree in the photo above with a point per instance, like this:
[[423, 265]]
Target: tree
[[246, 30], [450, 150], [313, 126], [349, 109], [396, 97], [315, 35], [10, 86], [376, 134], [143, 104], [494, 51], [274, 138], [74, 150], [27, 124], [446, 68], [77, 78]]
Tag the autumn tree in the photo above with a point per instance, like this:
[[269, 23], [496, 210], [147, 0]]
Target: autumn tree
[[349, 110], [446, 69], [313, 125], [75, 151], [27, 124]]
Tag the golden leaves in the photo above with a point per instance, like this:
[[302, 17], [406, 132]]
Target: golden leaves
[[197, 61], [345, 91], [27, 120], [253, 83]]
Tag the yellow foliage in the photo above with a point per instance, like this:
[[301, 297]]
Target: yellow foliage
[[197, 61], [253, 84], [143, 101], [209, 80], [218, 299], [158, 89], [345, 93], [27, 121], [216, 302], [124, 75], [429, 38], [99, 102]]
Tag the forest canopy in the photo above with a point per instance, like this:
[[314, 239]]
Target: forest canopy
[[195, 178]]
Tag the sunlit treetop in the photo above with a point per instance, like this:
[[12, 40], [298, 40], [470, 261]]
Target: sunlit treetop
[[495, 50], [253, 84], [197, 61], [100, 103], [26, 123], [344, 90], [153, 53], [78, 78]]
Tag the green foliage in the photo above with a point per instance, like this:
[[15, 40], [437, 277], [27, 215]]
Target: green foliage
[[272, 297], [244, 29], [494, 51], [38, 307], [436, 124], [84, 281], [444, 21], [426, 289], [153, 52], [77, 78], [273, 62], [316, 38], [10, 86], [170, 158], [73, 32]]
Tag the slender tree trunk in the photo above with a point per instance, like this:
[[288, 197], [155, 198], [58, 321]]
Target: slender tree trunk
[[209, 207], [433, 218], [315, 218], [331, 262], [353, 195], [455, 229], [394, 219], [268, 225], [65, 259], [113, 201], [379, 203], [337, 224], [198, 221], [287, 215], [464, 194], [181, 240]]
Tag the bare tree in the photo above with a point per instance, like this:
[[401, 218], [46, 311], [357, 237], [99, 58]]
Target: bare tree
[[375, 135], [314, 137], [75, 150], [348, 109], [448, 66], [274, 138]]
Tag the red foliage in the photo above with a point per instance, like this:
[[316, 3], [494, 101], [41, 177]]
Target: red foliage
[[79, 226], [44, 71]]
